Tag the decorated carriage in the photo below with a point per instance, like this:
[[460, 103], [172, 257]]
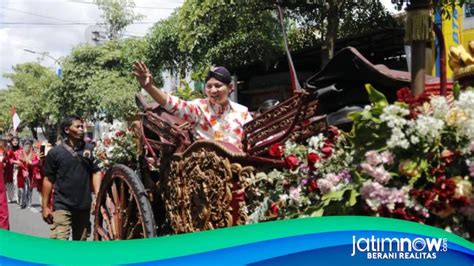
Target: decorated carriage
[[181, 185]]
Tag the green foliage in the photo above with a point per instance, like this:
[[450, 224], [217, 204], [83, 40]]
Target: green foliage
[[117, 15], [456, 90], [230, 33], [185, 91], [236, 33], [368, 133], [355, 17], [163, 51], [335, 202], [97, 80], [30, 94]]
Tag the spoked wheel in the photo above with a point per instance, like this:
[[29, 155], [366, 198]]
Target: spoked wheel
[[123, 210]]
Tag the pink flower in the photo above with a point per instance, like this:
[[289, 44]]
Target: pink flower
[[373, 158], [387, 157], [471, 146], [324, 185], [333, 178], [366, 167], [471, 169], [381, 175], [294, 193]]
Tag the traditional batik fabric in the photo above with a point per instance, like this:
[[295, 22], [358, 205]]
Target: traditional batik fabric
[[212, 121]]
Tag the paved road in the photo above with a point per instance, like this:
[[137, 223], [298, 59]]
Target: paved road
[[29, 221]]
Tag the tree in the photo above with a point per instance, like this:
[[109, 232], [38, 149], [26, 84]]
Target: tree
[[236, 33], [117, 15], [230, 33], [325, 22], [97, 80], [31, 95], [164, 51]]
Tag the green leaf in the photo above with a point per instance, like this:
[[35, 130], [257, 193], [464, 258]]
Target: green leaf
[[333, 195], [376, 97], [456, 90], [317, 213], [352, 197]]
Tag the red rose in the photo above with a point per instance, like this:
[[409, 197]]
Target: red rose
[[327, 151], [459, 202], [274, 208], [107, 142], [312, 159], [332, 133], [119, 133], [292, 162], [404, 95], [276, 150], [313, 185]]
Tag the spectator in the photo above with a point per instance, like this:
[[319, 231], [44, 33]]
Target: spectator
[[11, 171], [28, 162], [4, 224], [70, 168]]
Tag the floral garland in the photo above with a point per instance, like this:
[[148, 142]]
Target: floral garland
[[117, 146], [412, 160]]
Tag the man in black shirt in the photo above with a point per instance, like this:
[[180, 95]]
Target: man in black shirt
[[69, 168]]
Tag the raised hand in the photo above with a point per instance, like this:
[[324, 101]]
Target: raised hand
[[143, 75]]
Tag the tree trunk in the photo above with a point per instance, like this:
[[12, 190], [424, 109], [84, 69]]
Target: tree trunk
[[32, 127], [327, 50], [50, 132]]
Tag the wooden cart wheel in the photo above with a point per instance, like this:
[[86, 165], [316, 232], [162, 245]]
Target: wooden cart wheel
[[123, 210]]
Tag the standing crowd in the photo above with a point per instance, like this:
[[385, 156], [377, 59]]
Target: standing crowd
[[64, 176], [68, 174], [20, 173]]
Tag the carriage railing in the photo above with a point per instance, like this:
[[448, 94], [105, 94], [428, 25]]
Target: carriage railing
[[294, 118], [162, 132]]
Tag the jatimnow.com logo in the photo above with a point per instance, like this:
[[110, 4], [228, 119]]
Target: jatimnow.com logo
[[382, 248]]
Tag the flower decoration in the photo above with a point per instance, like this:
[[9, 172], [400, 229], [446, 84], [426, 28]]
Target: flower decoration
[[411, 160], [117, 146]]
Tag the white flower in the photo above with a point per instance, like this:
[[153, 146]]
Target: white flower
[[439, 106], [429, 128]]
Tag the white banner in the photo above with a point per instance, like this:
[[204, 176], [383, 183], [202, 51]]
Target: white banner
[[16, 121]]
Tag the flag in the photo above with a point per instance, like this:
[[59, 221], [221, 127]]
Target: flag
[[15, 118]]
